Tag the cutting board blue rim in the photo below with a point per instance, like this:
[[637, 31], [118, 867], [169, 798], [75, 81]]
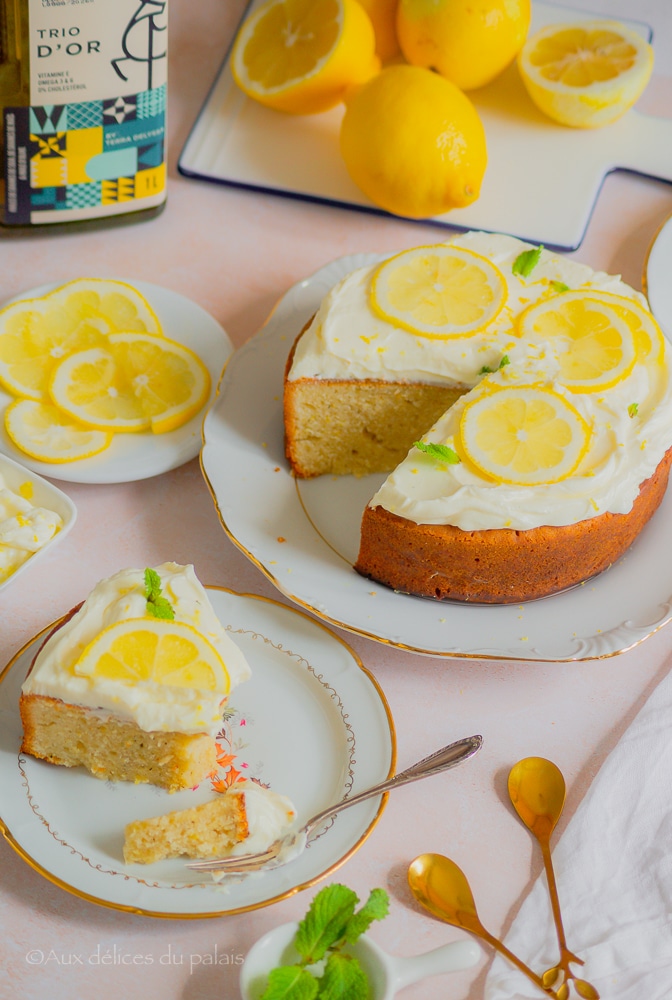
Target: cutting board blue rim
[[335, 203]]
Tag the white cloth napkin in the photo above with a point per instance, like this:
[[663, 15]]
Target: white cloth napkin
[[613, 867]]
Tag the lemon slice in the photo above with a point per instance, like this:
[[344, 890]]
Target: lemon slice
[[302, 56], [528, 435], [594, 345], [149, 649], [170, 381], [35, 334], [46, 433], [587, 74], [438, 291], [89, 386], [137, 382], [647, 335]]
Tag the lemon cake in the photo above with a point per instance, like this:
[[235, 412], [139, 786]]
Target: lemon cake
[[520, 402], [247, 817], [133, 683]]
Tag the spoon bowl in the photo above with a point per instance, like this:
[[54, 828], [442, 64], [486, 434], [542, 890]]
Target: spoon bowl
[[442, 888]]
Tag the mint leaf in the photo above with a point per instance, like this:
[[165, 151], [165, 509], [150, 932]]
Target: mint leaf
[[290, 982], [376, 907], [157, 606], [161, 608], [152, 584], [323, 925], [439, 451], [343, 979], [526, 261], [502, 364], [633, 409], [559, 286]]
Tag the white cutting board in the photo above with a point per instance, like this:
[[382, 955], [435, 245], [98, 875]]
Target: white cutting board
[[541, 182]]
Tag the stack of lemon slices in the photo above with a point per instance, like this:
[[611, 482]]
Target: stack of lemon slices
[[87, 361]]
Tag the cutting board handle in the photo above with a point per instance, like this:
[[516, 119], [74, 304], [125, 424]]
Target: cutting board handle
[[649, 147]]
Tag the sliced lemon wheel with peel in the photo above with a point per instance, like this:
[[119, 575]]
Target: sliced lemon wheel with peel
[[594, 345], [137, 382], [169, 379], [154, 650], [90, 387], [303, 56], [587, 74], [35, 334], [527, 435], [44, 432], [438, 291], [648, 337]]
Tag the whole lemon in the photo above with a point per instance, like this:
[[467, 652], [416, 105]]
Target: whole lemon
[[413, 142], [468, 41]]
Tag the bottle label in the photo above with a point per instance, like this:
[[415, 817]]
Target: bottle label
[[91, 142]]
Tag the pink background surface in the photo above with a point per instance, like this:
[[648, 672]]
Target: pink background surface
[[236, 253]]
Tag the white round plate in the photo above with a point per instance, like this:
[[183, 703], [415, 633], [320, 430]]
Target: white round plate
[[657, 274], [306, 681], [139, 456], [304, 534]]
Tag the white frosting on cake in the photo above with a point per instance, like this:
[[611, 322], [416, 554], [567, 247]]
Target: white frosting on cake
[[154, 707], [24, 529], [269, 816], [347, 340]]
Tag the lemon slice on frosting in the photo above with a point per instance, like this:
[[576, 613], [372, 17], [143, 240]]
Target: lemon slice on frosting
[[147, 649], [438, 291], [525, 435], [594, 345]]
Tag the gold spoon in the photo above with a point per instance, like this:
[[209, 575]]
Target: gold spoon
[[442, 888], [537, 791]]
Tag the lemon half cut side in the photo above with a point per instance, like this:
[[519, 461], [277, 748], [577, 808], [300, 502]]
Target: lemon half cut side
[[303, 56], [587, 74], [153, 650], [527, 435], [438, 291]]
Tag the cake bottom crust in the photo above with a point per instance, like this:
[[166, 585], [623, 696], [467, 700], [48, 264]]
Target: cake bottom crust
[[500, 565], [111, 748]]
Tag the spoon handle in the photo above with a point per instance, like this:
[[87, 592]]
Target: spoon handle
[[525, 969], [553, 893]]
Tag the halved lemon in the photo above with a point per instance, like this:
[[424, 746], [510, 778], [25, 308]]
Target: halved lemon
[[35, 334], [586, 74], [438, 291], [137, 382], [44, 432], [594, 345], [526, 435], [150, 649], [303, 56]]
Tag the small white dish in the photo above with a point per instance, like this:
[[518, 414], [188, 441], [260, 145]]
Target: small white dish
[[44, 494], [387, 974], [131, 457]]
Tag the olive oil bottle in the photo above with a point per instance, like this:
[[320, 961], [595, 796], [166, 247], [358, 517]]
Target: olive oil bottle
[[83, 111]]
